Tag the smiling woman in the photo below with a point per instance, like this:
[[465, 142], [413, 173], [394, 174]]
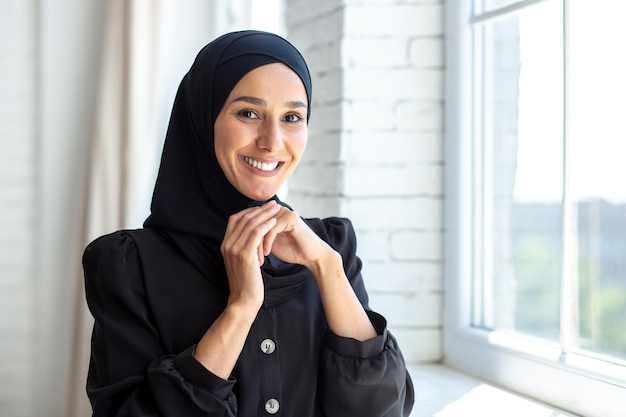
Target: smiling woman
[[227, 303]]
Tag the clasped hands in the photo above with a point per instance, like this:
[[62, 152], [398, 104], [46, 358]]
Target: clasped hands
[[254, 233]]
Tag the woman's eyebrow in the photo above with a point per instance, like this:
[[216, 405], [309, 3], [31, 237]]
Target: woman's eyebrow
[[260, 102], [252, 100], [296, 104]]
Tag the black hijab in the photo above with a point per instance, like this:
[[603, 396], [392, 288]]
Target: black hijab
[[193, 199]]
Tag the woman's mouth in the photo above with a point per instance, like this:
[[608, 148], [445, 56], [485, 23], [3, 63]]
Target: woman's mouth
[[263, 166]]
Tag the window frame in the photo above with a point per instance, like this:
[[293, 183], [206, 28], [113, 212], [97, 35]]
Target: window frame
[[580, 384]]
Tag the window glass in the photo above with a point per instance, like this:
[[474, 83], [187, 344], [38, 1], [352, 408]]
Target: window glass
[[536, 208], [520, 171], [597, 171]]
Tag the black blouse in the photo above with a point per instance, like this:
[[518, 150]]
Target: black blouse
[[149, 313]]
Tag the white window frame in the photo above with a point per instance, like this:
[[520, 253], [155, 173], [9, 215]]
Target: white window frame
[[580, 384]]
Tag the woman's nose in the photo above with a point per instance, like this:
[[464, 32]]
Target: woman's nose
[[270, 137]]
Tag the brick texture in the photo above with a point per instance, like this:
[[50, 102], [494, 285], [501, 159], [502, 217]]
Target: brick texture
[[375, 151]]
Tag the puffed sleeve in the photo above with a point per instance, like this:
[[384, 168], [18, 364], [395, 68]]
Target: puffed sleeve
[[366, 379], [129, 372]]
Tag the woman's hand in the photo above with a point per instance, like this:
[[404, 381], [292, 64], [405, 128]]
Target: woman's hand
[[293, 241], [256, 232], [243, 252], [242, 249]]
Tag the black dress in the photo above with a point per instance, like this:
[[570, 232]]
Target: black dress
[[151, 304]]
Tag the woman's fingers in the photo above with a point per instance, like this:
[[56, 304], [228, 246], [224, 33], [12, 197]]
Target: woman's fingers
[[246, 229], [244, 223], [268, 239], [284, 223], [242, 250], [292, 240], [260, 232], [255, 232], [260, 255], [250, 217]]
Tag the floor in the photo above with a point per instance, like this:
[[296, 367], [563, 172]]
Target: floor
[[444, 392]]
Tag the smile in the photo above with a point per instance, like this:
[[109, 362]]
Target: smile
[[263, 166]]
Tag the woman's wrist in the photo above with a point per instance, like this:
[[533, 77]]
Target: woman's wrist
[[344, 312], [245, 310], [221, 345], [330, 264]]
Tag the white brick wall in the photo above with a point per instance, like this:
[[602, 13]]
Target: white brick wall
[[375, 151], [17, 202]]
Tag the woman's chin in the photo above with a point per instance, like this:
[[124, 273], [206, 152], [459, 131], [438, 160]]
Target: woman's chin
[[260, 195]]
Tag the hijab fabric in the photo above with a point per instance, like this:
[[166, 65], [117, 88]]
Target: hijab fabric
[[193, 199]]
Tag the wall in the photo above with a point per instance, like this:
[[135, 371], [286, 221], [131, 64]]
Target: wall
[[375, 151]]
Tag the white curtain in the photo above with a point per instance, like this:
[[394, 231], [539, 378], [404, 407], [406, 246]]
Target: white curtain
[[123, 151], [148, 46]]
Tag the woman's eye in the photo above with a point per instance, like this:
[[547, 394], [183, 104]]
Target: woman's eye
[[293, 118], [248, 114]]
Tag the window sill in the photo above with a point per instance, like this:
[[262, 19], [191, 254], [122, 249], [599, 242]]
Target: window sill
[[441, 391]]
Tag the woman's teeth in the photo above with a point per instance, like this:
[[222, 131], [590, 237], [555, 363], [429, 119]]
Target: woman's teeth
[[260, 165]]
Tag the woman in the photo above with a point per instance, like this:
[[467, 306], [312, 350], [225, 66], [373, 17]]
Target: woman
[[227, 303]]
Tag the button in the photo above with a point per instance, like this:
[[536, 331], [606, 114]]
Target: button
[[268, 346], [272, 406]]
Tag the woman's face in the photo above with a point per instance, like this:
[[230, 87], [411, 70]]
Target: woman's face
[[261, 131]]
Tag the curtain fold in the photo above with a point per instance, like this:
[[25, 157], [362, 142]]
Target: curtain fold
[[122, 154]]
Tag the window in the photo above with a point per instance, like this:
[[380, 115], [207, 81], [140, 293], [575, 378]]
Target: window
[[536, 219]]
